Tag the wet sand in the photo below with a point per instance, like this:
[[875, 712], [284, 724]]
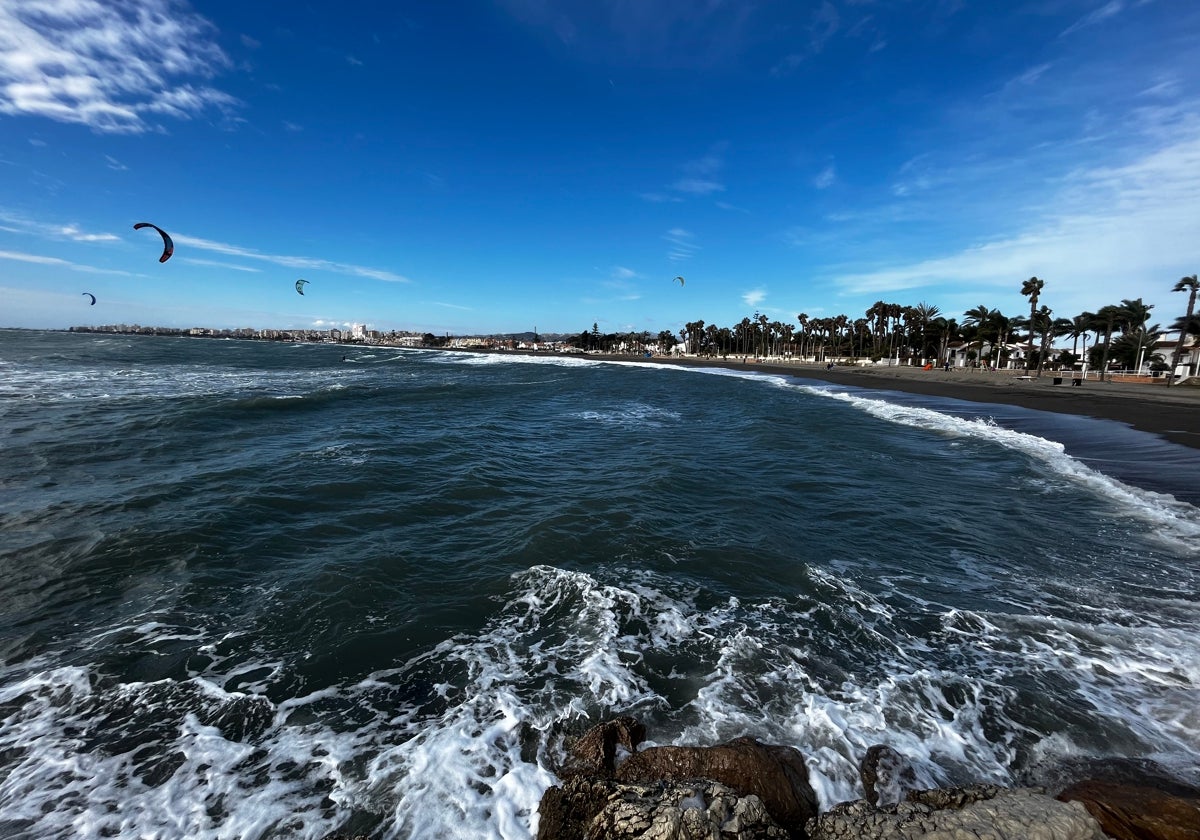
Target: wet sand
[[1173, 413]]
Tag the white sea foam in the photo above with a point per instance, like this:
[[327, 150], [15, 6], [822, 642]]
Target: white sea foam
[[489, 359], [631, 415], [1173, 520], [461, 740]]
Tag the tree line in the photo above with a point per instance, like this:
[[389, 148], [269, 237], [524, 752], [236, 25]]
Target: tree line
[[1121, 335]]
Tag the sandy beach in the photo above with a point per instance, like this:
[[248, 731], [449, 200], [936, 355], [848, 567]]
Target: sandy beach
[[1171, 413]]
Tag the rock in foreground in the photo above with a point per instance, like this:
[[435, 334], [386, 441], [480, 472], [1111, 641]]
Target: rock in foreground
[[981, 812], [604, 809]]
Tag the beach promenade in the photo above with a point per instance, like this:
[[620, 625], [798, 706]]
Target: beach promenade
[[1173, 413]]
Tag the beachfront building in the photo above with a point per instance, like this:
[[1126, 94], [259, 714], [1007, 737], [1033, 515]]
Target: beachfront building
[[1188, 363]]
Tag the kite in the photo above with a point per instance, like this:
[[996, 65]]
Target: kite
[[168, 245], [300, 286], [680, 279], [92, 296]]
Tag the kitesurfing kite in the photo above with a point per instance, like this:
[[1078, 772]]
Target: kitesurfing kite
[[680, 279], [92, 296], [300, 286], [168, 245]]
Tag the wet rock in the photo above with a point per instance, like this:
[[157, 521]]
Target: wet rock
[[1137, 812], [1056, 776], [596, 753], [604, 809], [886, 775], [775, 774], [982, 812]]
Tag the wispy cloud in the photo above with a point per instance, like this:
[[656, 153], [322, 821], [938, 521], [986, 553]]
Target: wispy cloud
[[620, 283], [754, 297], [697, 186], [108, 64], [113, 163], [72, 232], [1109, 225], [659, 198], [1113, 7], [217, 264], [823, 24], [725, 205], [699, 178], [825, 178], [915, 175], [39, 259], [664, 33], [683, 244], [303, 263], [21, 224], [291, 126]]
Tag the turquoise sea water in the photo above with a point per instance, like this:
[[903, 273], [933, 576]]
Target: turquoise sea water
[[256, 590]]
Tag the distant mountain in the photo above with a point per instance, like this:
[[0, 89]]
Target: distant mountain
[[529, 336]]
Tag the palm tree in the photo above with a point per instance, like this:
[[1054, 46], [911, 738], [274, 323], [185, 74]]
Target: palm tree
[[947, 329], [1107, 318], [980, 318], [1045, 329], [924, 313], [1031, 289], [1081, 325], [1190, 285]]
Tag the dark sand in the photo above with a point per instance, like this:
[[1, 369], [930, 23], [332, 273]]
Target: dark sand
[[1172, 413]]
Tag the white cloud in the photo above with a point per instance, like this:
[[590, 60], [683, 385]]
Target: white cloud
[[107, 64], [1096, 16], [683, 244], [1112, 228], [660, 198], [307, 263], [20, 224], [825, 178], [216, 264], [79, 236], [754, 297], [39, 259], [113, 163], [697, 186], [699, 178]]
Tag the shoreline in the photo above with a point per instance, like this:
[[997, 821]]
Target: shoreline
[[1173, 415]]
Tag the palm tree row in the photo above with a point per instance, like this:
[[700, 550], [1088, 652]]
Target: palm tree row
[[920, 334]]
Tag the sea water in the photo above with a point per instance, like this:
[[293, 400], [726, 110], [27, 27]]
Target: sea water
[[255, 589]]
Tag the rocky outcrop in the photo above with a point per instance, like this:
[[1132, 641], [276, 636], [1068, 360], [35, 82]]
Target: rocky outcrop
[[982, 812], [604, 809], [596, 753], [1136, 812], [775, 774], [747, 790], [886, 775]]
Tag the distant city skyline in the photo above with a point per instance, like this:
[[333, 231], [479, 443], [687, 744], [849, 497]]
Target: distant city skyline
[[485, 169]]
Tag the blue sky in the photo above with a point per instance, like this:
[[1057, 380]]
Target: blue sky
[[492, 166]]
